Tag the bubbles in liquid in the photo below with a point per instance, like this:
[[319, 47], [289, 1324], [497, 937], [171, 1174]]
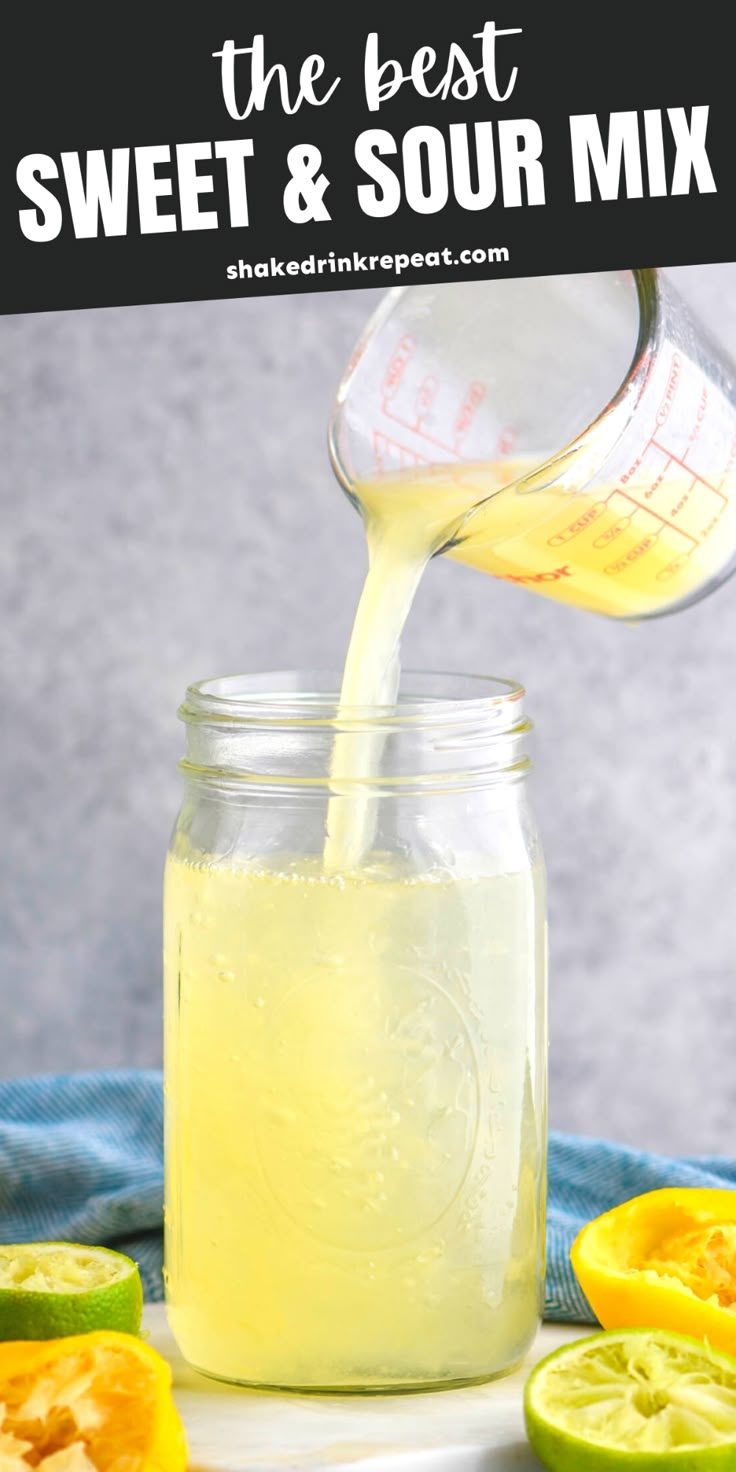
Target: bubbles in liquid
[[365, 1182]]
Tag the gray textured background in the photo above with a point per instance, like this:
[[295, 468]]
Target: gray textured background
[[169, 513]]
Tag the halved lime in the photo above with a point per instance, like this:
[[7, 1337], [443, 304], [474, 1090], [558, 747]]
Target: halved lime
[[633, 1400], [51, 1289]]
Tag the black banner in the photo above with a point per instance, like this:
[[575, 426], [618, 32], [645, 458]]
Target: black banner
[[155, 153]]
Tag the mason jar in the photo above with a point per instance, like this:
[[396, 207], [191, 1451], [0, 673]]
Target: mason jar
[[355, 1056]]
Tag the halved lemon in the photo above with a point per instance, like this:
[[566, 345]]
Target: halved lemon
[[665, 1259], [90, 1403]]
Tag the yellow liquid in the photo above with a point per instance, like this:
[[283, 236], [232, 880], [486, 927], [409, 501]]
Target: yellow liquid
[[354, 1103], [402, 532], [355, 1107], [627, 550], [354, 1121]]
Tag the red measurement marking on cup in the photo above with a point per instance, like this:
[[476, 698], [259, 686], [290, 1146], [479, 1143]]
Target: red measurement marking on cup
[[413, 406], [633, 555], [625, 496], [672, 492], [426, 397], [690, 500], [676, 378], [672, 568], [699, 418], [668, 398], [424, 402], [612, 532], [575, 528], [677, 460], [468, 410], [398, 365], [671, 458], [390, 455]]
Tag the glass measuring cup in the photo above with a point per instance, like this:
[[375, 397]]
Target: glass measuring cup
[[578, 431]]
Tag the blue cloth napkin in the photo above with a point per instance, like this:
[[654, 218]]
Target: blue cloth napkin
[[81, 1161]]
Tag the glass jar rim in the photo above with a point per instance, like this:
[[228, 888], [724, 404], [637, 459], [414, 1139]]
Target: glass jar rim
[[428, 700]]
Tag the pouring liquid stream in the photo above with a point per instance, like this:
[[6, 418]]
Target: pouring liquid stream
[[355, 1025], [401, 538], [407, 521], [506, 519], [371, 1161]]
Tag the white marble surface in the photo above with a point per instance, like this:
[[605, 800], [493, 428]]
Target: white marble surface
[[230, 1430]]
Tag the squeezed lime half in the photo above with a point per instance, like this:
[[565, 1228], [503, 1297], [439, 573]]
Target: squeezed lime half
[[52, 1289], [634, 1400]]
